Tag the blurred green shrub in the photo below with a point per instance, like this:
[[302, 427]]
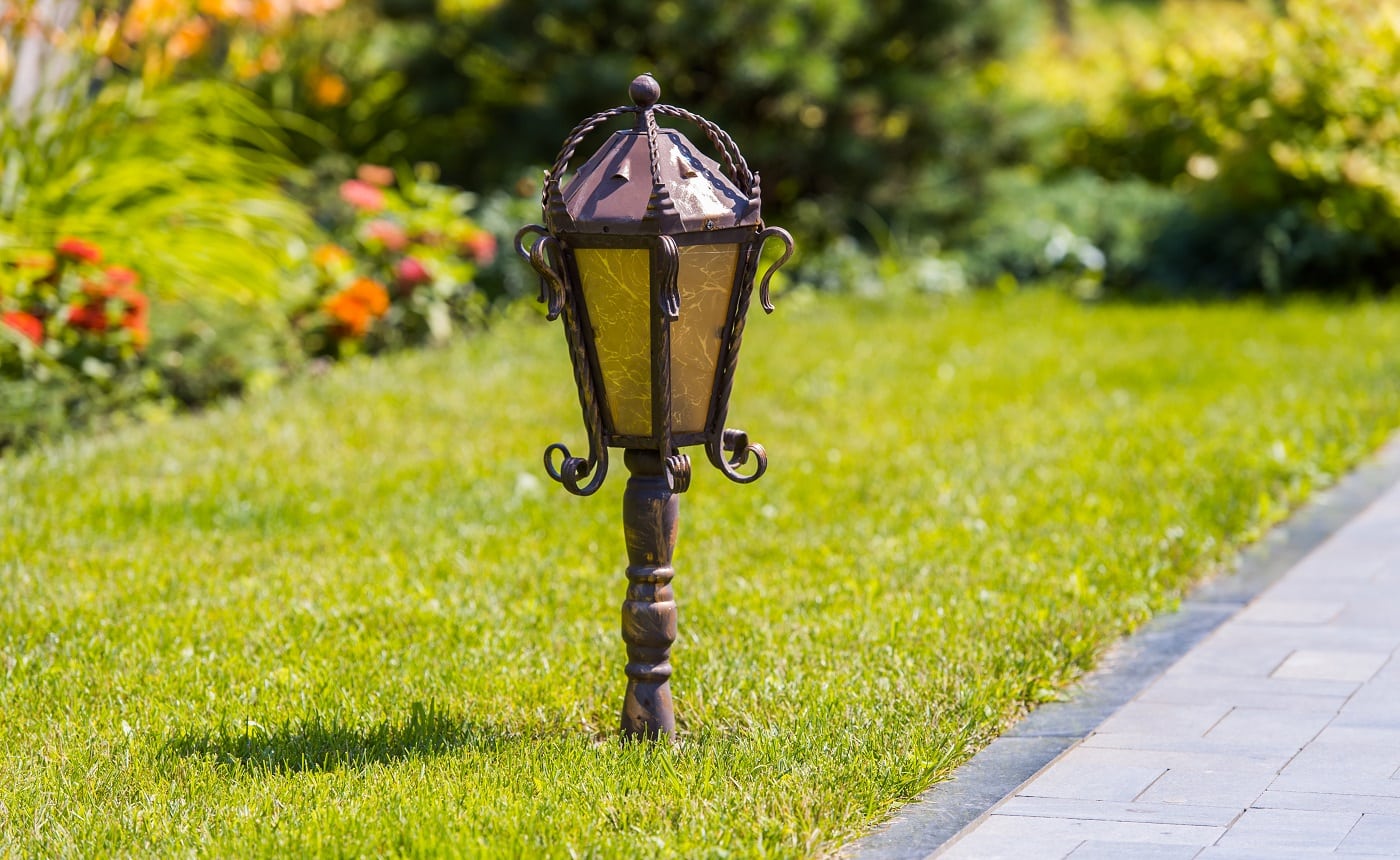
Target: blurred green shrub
[[1282, 130], [1096, 233]]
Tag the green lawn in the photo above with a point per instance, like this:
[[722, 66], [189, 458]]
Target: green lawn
[[353, 616]]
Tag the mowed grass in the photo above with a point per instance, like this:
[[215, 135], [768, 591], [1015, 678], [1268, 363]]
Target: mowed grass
[[352, 617]]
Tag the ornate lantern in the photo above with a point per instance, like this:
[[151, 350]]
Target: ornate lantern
[[650, 254]]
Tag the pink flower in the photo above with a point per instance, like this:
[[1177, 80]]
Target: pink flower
[[411, 273], [362, 195], [388, 234], [480, 246]]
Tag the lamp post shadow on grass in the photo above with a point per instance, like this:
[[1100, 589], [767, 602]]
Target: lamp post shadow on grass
[[320, 744]]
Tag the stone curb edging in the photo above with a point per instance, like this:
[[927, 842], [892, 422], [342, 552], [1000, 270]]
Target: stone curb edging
[[933, 819]]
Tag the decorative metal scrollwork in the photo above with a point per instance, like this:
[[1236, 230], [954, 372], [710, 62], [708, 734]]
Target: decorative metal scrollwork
[[551, 284], [670, 291], [736, 442], [678, 472], [571, 470], [786, 238]]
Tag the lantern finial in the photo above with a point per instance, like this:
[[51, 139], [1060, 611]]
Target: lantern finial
[[645, 91]]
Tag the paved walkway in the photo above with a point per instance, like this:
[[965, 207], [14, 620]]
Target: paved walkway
[[1275, 736]]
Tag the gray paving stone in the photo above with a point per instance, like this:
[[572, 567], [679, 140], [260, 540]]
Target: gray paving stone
[[1332, 665], [1382, 636], [1308, 800], [1165, 719], [1374, 834], [1377, 612], [1286, 727], [1211, 786], [1288, 830], [1273, 749], [1082, 777], [1280, 610], [1113, 810], [998, 839], [1095, 849], [1290, 693], [1024, 837], [1238, 655], [1323, 760], [1108, 757], [1216, 852], [1338, 782], [1381, 742]]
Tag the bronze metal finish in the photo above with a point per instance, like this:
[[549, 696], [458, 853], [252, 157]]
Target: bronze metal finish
[[650, 518], [649, 189]]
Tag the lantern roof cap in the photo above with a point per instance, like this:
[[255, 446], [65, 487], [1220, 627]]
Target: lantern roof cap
[[651, 180]]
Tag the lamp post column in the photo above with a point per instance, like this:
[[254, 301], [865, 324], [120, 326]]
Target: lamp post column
[[650, 517]]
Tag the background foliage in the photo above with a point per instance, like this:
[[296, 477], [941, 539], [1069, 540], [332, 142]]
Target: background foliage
[[840, 103], [1279, 132]]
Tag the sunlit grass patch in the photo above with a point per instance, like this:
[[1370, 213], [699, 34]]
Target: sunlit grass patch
[[353, 617]]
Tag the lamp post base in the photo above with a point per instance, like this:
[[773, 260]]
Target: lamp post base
[[650, 517]]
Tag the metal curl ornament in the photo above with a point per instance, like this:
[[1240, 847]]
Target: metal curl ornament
[[572, 470], [737, 442], [678, 472], [764, 297]]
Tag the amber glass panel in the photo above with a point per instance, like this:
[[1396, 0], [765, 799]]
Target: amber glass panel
[[617, 293], [706, 285]]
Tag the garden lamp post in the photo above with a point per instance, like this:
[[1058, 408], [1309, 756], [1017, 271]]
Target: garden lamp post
[[649, 254]]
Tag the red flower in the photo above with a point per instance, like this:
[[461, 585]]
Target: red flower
[[119, 289], [121, 276], [88, 316], [375, 175], [480, 246], [26, 324], [411, 273], [387, 233], [362, 195], [78, 251]]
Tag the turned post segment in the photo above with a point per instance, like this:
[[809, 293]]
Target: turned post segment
[[650, 517]]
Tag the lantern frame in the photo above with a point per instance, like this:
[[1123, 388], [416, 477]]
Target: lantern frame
[[553, 256]]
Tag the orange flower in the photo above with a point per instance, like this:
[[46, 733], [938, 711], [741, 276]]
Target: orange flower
[[225, 10], [26, 324], [327, 88], [77, 250], [358, 305], [145, 17], [330, 256], [371, 294], [188, 40], [318, 7], [270, 13]]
